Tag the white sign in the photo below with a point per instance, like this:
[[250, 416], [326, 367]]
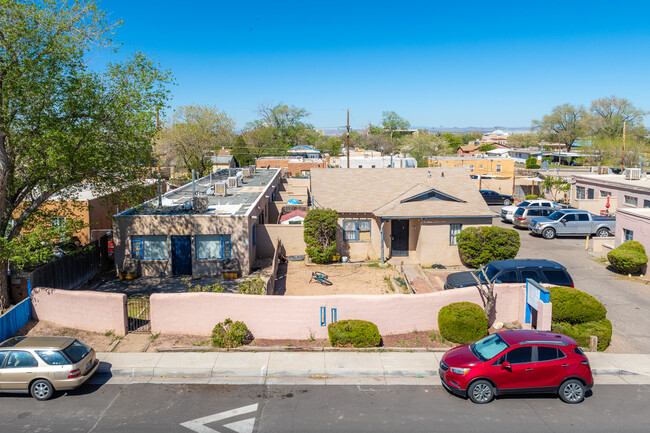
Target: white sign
[[243, 426], [533, 296]]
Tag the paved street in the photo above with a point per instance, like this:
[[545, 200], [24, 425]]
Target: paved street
[[284, 409], [627, 302]]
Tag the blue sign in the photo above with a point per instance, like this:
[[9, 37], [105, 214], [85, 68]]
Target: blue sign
[[535, 293]]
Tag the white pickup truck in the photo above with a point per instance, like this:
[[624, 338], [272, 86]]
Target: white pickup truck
[[572, 222]]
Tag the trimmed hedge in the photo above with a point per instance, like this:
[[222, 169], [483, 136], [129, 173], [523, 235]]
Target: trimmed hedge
[[355, 333], [480, 245], [462, 322], [573, 306], [231, 334], [532, 196], [582, 331], [628, 257]]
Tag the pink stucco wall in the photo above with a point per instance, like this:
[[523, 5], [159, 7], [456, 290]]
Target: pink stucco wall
[[90, 311], [299, 316]]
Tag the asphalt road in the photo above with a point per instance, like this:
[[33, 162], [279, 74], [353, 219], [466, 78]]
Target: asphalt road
[[627, 301], [364, 408]]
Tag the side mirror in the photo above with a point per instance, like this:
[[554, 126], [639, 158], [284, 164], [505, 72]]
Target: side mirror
[[506, 366], [562, 220]]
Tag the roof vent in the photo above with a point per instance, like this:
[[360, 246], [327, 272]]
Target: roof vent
[[632, 174], [603, 170], [232, 182]]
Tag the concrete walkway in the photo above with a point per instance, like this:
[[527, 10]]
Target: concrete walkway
[[320, 368]]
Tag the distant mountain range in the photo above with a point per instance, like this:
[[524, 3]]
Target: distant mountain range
[[455, 130]]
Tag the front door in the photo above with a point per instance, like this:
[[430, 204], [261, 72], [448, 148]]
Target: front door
[[182, 255], [400, 238]]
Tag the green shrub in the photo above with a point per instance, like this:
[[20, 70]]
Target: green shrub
[[462, 322], [582, 331], [532, 196], [230, 334], [532, 163], [628, 257], [356, 333], [480, 245], [573, 306], [320, 234], [252, 286]]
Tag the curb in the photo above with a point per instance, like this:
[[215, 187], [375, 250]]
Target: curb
[[299, 349]]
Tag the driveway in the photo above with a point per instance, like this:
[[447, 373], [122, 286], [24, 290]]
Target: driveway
[[627, 302]]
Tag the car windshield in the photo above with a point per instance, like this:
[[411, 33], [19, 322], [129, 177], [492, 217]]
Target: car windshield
[[76, 351], [490, 271], [488, 347], [555, 216], [524, 203]]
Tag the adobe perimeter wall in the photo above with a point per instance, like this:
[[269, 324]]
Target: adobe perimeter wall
[[298, 317], [80, 309], [291, 236]]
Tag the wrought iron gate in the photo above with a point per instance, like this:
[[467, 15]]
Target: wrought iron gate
[[137, 312]]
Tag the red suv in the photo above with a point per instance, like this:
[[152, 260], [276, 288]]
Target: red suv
[[517, 361]]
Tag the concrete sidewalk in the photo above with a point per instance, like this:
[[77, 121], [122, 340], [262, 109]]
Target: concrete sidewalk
[[320, 368]]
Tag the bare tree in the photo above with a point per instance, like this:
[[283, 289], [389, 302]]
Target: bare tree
[[486, 289]]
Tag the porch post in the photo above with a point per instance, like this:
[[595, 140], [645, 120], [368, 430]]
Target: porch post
[[382, 241]]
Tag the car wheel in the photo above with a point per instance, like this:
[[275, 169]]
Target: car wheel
[[481, 392], [572, 391], [548, 233], [602, 233], [507, 202], [41, 389]]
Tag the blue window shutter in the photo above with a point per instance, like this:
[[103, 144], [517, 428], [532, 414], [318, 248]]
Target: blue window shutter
[[136, 247], [226, 248]]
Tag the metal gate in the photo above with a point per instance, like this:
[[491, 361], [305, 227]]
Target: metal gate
[[137, 312]]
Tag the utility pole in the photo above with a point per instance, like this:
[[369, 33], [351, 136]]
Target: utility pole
[[157, 120], [623, 150], [347, 138]]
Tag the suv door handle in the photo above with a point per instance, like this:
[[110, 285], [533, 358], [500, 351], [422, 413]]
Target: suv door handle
[[565, 365], [529, 369]]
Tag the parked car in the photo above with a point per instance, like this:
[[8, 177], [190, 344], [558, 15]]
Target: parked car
[[493, 197], [513, 271], [572, 222], [517, 361], [508, 211], [523, 215], [42, 365]]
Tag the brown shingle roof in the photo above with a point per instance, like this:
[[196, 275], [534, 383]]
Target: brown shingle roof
[[381, 190]]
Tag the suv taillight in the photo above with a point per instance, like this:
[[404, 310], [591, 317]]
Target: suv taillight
[[521, 219], [571, 285], [74, 373]]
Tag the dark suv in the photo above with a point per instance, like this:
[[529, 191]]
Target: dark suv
[[514, 271], [517, 361]]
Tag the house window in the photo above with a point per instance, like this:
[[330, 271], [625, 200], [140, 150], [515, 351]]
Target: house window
[[480, 166], [628, 235], [356, 230], [454, 229], [212, 247], [149, 247], [590, 193], [471, 169], [646, 203], [631, 201], [605, 194], [498, 168], [580, 192], [360, 166], [58, 222]]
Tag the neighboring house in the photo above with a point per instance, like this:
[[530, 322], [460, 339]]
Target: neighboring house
[[522, 154], [301, 150], [292, 165], [221, 162], [294, 217], [414, 213], [633, 225], [201, 229], [375, 161], [93, 208], [467, 150], [626, 191], [496, 167]]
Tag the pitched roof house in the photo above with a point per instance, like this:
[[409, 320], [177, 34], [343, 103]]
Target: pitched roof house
[[414, 213]]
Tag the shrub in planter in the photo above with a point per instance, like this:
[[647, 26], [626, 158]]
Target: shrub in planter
[[532, 196], [628, 257], [582, 331], [480, 245], [356, 333], [573, 306], [231, 334], [462, 322], [252, 286]]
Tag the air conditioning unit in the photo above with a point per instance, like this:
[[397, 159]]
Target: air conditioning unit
[[252, 169], [603, 170], [246, 172], [232, 182], [220, 189], [632, 173]]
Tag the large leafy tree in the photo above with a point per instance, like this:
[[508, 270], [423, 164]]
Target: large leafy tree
[[282, 126], [194, 133], [565, 124], [393, 123], [60, 122], [608, 115]]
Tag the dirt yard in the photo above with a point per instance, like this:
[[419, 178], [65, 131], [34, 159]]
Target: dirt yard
[[347, 279]]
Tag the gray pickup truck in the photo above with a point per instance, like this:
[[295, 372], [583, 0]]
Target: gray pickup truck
[[572, 222]]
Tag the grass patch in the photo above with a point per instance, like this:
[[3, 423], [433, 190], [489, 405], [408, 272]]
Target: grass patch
[[389, 283]]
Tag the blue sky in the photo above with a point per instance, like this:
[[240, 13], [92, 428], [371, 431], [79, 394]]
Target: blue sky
[[436, 63]]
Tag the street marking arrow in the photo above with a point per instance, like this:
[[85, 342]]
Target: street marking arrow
[[243, 426]]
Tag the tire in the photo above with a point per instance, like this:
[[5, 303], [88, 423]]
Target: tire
[[602, 233], [41, 389], [572, 391], [507, 202], [548, 233], [480, 392]]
